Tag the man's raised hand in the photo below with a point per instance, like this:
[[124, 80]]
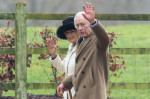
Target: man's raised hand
[[89, 12]]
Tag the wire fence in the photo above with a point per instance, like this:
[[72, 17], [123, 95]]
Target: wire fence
[[137, 67]]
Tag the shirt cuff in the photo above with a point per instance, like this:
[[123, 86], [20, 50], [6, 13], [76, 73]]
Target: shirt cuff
[[95, 24], [53, 58]]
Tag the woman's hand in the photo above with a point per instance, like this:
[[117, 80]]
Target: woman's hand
[[51, 47]]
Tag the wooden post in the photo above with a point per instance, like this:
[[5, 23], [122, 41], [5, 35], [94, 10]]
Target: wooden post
[[20, 50]]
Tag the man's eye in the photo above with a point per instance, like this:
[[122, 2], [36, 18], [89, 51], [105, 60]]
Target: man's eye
[[82, 24], [77, 25]]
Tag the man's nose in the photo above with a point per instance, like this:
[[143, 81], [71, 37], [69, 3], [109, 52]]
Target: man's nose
[[80, 27]]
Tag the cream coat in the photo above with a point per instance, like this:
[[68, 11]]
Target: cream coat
[[67, 65], [91, 70]]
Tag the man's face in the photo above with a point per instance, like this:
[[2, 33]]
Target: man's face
[[82, 26]]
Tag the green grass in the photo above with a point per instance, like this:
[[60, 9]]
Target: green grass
[[33, 34], [130, 94], [137, 66], [132, 36], [139, 30]]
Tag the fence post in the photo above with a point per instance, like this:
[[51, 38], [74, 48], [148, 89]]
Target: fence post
[[20, 50]]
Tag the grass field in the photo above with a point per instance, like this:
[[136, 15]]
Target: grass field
[[138, 66]]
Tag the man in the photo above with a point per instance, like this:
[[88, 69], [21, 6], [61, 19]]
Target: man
[[91, 69]]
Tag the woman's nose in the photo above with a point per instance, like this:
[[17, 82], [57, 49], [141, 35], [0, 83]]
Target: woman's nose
[[69, 34]]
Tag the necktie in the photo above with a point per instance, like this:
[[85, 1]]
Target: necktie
[[80, 40]]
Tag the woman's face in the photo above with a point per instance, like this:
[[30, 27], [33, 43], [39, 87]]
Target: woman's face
[[72, 36]]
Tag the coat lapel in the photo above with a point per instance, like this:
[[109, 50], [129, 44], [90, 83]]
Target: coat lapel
[[84, 43]]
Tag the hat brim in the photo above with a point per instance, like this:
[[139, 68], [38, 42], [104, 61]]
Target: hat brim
[[64, 28]]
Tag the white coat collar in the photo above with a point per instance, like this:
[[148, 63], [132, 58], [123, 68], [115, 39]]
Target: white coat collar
[[72, 47]]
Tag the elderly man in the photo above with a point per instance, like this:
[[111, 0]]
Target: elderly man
[[91, 70]]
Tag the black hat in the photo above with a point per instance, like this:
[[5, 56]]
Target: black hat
[[67, 24]]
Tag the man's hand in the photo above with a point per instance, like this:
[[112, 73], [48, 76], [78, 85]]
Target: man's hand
[[61, 89], [89, 12], [51, 46]]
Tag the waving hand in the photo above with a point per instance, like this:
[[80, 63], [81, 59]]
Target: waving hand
[[89, 12], [51, 47]]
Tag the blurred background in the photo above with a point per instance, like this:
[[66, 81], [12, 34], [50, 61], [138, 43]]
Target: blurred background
[[73, 6]]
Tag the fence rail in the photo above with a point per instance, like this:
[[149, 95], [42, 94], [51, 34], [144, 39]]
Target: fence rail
[[64, 51], [40, 16], [139, 86], [11, 86]]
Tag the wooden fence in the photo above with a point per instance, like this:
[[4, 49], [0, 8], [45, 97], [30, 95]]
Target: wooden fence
[[20, 16]]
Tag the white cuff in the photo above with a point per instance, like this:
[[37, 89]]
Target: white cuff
[[51, 59], [95, 24]]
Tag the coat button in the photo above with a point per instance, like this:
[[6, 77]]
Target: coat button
[[82, 72], [75, 75], [84, 58], [76, 61], [77, 90], [84, 86]]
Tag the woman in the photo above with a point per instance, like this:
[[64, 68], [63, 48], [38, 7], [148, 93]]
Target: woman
[[68, 32]]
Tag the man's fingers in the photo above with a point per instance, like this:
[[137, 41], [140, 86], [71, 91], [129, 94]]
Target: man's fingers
[[84, 15], [84, 8], [90, 5], [87, 5], [93, 8], [61, 91], [58, 91]]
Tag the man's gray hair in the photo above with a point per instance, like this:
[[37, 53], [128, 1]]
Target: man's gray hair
[[79, 14]]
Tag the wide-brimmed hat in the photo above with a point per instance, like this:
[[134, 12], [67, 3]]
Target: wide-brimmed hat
[[67, 24]]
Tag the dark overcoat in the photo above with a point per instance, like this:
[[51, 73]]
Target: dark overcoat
[[91, 70]]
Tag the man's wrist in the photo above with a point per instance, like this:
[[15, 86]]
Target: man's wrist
[[93, 22]]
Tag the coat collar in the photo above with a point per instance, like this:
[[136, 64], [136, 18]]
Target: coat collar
[[72, 48], [84, 43]]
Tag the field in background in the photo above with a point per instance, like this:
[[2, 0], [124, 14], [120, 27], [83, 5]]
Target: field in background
[[138, 66]]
